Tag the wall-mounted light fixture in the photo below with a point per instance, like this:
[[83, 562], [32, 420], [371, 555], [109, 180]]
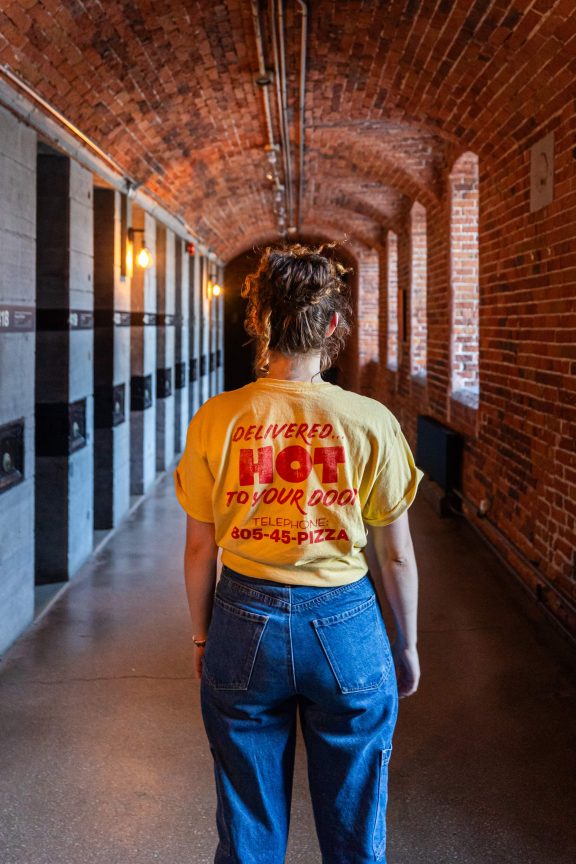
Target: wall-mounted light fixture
[[213, 289], [143, 256]]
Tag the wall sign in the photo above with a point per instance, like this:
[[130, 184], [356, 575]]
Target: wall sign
[[180, 377], [11, 455], [77, 438], [118, 404], [140, 392], [163, 383], [17, 319]]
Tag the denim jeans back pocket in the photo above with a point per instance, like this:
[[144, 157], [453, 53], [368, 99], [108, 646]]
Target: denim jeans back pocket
[[233, 641], [356, 646]]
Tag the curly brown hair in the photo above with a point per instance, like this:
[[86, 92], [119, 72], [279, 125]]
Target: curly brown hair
[[291, 299]]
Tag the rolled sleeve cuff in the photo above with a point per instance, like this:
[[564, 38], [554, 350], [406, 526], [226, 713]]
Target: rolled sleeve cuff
[[403, 504], [191, 507]]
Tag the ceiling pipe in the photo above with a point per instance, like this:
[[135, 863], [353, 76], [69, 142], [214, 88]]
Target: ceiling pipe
[[263, 76], [283, 106], [286, 188], [302, 100], [264, 82]]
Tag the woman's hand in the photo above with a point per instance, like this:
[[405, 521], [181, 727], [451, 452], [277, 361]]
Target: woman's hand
[[198, 661], [407, 668]]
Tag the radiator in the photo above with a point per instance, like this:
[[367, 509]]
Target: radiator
[[439, 452]]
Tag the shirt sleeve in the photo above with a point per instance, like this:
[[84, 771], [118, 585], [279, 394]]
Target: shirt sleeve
[[193, 480], [395, 484]]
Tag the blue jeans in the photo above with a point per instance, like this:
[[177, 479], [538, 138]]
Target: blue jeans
[[273, 649]]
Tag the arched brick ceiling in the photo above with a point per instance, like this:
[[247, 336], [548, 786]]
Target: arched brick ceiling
[[398, 155], [394, 90]]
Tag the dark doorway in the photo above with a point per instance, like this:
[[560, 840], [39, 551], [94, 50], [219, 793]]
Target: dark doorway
[[238, 351]]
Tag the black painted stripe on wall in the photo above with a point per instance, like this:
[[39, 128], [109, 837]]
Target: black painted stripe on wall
[[107, 317], [64, 319], [111, 318], [22, 319]]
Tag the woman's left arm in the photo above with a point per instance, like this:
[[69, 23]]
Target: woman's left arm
[[200, 575]]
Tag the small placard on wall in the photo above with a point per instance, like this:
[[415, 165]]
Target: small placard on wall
[[542, 173], [11, 455]]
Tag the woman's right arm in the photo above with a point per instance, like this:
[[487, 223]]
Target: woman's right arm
[[394, 553]]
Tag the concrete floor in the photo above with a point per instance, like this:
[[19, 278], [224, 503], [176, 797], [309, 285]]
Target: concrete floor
[[102, 753]]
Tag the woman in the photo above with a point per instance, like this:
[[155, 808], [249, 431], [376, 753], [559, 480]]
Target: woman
[[291, 477]]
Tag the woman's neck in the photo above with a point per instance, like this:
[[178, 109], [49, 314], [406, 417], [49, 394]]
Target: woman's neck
[[300, 367]]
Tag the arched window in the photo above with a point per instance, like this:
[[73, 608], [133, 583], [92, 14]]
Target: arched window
[[418, 283], [464, 278], [392, 292]]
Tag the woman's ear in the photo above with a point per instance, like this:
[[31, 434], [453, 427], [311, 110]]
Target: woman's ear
[[333, 324]]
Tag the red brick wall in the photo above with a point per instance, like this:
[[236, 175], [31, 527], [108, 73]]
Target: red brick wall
[[520, 454]]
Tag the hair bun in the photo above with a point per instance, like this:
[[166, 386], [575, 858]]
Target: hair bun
[[292, 298], [306, 281], [304, 297]]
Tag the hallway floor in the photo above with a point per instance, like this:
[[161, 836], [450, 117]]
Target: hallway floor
[[103, 758]]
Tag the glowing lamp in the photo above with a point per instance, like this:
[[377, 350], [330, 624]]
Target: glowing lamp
[[144, 258]]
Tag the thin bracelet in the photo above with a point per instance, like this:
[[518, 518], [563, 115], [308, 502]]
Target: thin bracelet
[[200, 643]]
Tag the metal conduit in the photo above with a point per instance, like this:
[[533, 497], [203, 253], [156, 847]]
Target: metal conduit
[[276, 13], [279, 102], [263, 72], [284, 112], [264, 77], [302, 99]]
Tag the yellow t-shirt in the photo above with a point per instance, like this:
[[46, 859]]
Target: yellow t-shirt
[[289, 472]]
